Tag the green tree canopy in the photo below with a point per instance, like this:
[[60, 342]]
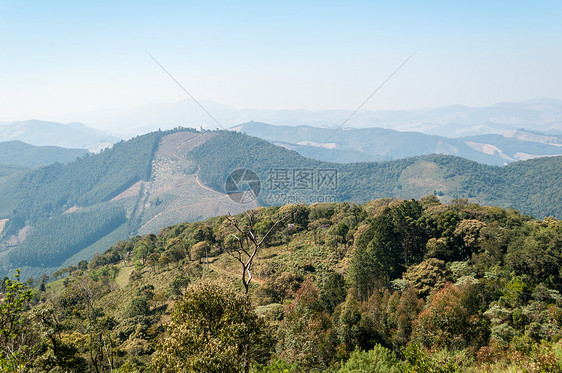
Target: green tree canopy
[[212, 330]]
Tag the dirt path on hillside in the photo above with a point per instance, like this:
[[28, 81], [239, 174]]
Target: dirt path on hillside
[[201, 185]]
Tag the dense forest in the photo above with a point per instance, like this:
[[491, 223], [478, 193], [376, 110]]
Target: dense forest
[[388, 286], [6, 170], [81, 229]]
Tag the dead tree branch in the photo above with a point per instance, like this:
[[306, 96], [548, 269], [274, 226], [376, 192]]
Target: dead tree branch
[[247, 245]]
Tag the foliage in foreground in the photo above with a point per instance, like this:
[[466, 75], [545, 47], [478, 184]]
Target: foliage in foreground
[[408, 286]]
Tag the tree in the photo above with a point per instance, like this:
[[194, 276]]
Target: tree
[[11, 313], [212, 330], [199, 250], [178, 284], [377, 360], [247, 245], [83, 296], [353, 328], [302, 333], [152, 260], [407, 311], [82, 265], [58, 355], [378, 256], [428, 275], [342, 232], [333, 292], [278, 288], [452, 319], [141, 252], [414, 237]]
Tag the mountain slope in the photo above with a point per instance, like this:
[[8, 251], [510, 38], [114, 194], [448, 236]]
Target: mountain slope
[[6, 170], [68, 212], [459, 280], [20, 154]]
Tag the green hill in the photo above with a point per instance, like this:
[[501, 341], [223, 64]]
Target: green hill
[[532, 186], [63, 213]]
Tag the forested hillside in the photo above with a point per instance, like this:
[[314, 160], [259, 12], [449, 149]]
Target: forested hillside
[[67, 212], [50, 190], [533, 186], [7, 169], [62, 208], [388, 286]]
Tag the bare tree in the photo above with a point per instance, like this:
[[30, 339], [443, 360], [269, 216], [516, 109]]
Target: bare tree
[[247, 245]]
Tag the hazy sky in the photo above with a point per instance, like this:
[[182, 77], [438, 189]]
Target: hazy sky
[[61, 57]]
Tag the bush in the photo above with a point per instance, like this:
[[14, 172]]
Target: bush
[[138, 307], [377, 360]]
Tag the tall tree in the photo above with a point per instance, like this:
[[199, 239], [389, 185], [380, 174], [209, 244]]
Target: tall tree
[[378, 260]]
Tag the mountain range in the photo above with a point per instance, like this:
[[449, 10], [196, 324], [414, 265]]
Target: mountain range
[[495, 135], [543, 115], [347, 145], [60, 214]]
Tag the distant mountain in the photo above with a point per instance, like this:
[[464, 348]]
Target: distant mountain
[[348, 145], [71, 135], [544, 115], [59, 214], [20, 154]]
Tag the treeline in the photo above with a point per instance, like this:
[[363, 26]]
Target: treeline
[[389, 286]]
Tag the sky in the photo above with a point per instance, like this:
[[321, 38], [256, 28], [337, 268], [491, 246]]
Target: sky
[[70, 57]]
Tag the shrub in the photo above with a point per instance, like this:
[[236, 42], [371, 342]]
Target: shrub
[[377, 360]]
